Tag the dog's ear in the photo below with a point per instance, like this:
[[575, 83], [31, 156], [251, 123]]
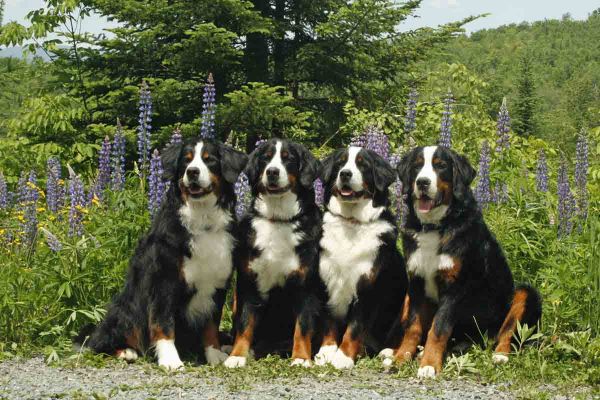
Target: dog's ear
[[404, 168], [251, 169], [309, 166], [462, 174], [232, 162], [383, 176], [170, 161], [328, 165]]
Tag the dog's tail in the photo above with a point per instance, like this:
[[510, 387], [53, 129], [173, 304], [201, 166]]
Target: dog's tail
[[526, 308]]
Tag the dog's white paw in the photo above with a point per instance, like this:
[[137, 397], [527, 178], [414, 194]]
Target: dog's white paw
[[301, 362], [426, 372], [325, 354], [341, 361], [235, 362], [500, 358], [167, 354], [446, 262], [214, 356], [386, 353], [226, 348], [129, 355]]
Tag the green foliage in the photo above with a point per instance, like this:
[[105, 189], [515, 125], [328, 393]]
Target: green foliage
[[525, 103], [262, 111]]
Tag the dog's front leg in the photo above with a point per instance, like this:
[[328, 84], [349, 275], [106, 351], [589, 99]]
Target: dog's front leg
[[162, 332], [437, 340]]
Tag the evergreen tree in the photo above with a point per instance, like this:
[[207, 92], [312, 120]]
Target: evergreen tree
[[526, 101]]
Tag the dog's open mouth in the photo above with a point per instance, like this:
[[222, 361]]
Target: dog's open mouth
[[425, 204], [347, 193], [276, 189], [196, 191]]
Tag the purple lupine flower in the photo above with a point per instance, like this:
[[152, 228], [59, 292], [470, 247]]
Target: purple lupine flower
[[446, 126], [319, 192], [55, 190], [176, 137], [144, 127], [400, 202], [581, 176], [22, 190], [104, 164], [410, 119], [566, 201], [373, 139], [394, 159], [242, 195], [209, 107], [500, 193], [117, 175], [156, 184], [3, 192], [503, 128], [259, 142], [78, 202], [28, 204], [482, 190], [52, 241], [541, 177]]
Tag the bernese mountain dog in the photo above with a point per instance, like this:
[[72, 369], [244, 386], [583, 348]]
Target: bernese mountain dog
[[277, 258], [178, 277], [460, 282], [360, 266]]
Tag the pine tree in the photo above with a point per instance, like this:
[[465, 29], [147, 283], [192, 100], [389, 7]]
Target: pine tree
[[526, 101]]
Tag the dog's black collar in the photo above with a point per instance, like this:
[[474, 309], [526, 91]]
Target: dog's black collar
[[429, 227]]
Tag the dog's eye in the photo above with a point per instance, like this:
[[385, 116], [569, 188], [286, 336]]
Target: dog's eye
[[359, 159], [205, 155], [440, 165], [189, 156], [285, 155]]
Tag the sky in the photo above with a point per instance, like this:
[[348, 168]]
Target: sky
[[432, 12]]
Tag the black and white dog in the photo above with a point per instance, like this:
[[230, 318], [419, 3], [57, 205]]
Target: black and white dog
[[277, 256], [179, 274], [363, 273], [460, 282]]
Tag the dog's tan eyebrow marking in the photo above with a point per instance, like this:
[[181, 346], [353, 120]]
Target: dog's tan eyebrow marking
[[189, 156]]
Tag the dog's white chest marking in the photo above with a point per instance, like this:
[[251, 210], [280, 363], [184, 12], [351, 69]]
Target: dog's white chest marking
[[277, 243], [210, 264], [349, 251], [426, 261]]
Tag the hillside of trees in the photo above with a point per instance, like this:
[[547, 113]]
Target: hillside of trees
[[558, 59]]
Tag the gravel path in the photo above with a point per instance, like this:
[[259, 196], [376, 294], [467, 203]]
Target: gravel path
[[33, 379]]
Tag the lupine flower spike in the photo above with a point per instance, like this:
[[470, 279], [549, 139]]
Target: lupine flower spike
[[77, 203], [482, 190], [319, 192], [51, 240], [373, 139], [176, 137], [144, 127], [28, 204], [446, 127], [3, 193], [242, 194], [566, 201], [117, 174], [156, 184], [208, 109], [581, 176], [503, 128], [541, 177], [411, 112], [55, 189]]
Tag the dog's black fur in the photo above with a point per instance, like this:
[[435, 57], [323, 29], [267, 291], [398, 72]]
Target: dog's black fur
[[380, 291], [153, 303], [477, 294], [270, 322]]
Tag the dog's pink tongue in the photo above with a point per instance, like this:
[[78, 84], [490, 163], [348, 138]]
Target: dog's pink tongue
[[425, 205], [346, 192]]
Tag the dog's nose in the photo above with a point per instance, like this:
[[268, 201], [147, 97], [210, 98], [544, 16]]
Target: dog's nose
[[345, 175], [193, 172], [272, 174], [423, 183]]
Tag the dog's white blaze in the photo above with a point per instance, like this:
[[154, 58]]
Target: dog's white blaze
[[198, 162], [356, 182], [276, 162], [277, 243], [211, 245], [426, 261], [349, 251], [428, 172], [167, 354]]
